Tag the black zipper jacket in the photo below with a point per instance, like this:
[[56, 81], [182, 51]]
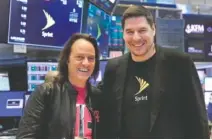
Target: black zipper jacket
[[51, 112]]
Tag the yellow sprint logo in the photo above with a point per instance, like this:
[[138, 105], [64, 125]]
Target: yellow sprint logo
[[143, 85]]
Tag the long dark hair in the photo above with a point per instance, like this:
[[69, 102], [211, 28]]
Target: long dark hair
[[64, 56], [62, 125]]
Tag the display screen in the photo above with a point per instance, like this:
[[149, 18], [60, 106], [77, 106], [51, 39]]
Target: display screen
[[11, 104], [114, 54], [165, 1], [201, 75], [116, 33], [170, 33], [169, 14], [44, 22], [36, 72], [208, 83], [4, 81], [194, 26], [208, 29], [195, 48], [198, 26], [98, 26], [208, 98], [208, 51], [106, 5], [4, 20], [198, 32], [101, 73]]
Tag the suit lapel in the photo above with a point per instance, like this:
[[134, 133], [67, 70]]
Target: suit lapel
[[158, 86]]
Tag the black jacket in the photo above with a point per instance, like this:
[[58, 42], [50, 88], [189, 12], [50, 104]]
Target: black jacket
[[51, 112], [177, 104]]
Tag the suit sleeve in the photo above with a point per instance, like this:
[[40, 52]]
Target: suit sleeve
[[31, 121], [194, 105], [106, 87], [105, 84]]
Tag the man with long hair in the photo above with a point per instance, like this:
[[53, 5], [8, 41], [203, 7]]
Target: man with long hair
[[67, 107]]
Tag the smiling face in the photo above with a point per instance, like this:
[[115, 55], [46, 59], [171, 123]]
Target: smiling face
[[81, 62], [139, 38]]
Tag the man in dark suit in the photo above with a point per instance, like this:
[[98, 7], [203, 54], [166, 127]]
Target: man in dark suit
[[151, 92]]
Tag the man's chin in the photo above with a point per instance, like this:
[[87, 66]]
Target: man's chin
[[138, 53], [83, 78]]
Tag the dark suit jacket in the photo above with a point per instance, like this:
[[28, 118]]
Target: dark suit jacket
[[177, 104]]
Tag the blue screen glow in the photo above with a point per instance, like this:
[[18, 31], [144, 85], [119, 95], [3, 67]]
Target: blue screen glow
[[44, 22], [11, 104]]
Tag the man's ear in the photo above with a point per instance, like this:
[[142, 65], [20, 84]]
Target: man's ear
[[154, 29]]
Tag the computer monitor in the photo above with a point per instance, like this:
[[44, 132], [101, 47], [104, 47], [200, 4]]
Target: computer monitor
[[106, 5], [208, 98], [47, 23], [98, 23], [103, 64], [116, 33], [201, 74], [208, 84], [113, 54], [11, 103], [36, 72], [4, 81], [195, 48], [194, 26]]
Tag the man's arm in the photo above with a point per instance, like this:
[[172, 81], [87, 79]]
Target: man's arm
[[195, 111], [30, 124], [106, 87]]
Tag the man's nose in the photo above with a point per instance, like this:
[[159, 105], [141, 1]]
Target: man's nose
[[136, 36], [85, 61]]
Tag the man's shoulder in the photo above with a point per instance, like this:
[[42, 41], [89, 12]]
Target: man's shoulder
[[117, 60], [172, 55], [95, 90], [96, 96], [48, 88]]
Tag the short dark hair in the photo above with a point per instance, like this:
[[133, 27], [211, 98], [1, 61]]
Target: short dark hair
[[64, 56], [137, 11]]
